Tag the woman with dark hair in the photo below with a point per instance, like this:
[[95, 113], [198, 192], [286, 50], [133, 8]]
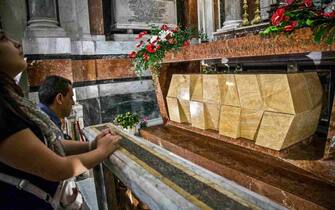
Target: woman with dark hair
[[32, 157]]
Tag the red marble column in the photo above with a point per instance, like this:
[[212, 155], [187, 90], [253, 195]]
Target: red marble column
[[191, 14], [96, 17]]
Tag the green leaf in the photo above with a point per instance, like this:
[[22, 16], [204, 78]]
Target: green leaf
[[309, 22]]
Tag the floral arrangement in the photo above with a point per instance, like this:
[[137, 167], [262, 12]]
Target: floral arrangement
[[316, 14], [151, 52], [126, 120]]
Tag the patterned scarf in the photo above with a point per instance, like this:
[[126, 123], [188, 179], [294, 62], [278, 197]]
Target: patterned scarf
[[52, 134]]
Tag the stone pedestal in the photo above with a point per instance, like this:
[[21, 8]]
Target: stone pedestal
[[43, 34], [232, 15], [43, 20]]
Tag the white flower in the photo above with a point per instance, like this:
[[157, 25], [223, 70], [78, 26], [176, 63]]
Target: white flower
[[162, 34], [153, 39]]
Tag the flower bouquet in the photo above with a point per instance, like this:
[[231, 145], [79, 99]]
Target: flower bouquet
[[152, 48], [127, 121], [319, 15]]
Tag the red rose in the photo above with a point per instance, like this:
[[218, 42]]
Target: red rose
[[291, 26], [132, 54], [158, 47], [308, 3], [164, 27], [141, 34], [186, 43], [150, 48], [329, 15], [145, 57], [278, 16]]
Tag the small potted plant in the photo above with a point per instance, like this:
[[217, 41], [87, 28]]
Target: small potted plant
[[127, 121]]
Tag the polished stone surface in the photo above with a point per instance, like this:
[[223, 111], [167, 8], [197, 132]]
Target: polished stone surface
[[301, 41], [143, 104], [249, 91], [230, 117], [80, 70], [141, 14], [101, 103], [291, 104], [164, 180], [39, 69], [211, 89], [228, 90], [249, 124], [277, 178], [180, 87], [197, 110]]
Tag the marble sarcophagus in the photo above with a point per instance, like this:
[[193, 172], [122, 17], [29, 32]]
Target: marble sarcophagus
[[274, 110]]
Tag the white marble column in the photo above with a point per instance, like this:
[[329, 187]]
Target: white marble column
[[232, 15], [265, 8], [43, 20], [44, 35], [206, 17]]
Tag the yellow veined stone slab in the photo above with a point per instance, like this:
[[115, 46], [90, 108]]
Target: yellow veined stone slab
[[228, 90], [250, 122], [211, 90], [172, 104], [196, 87], [180, 87], [229, 125], [178, 110], [184, 107], [314, 88], [249, 91], [286, 106], [273, 129], [303, 126], [197, 110], [276, 94], [299, 92], [212, 114]]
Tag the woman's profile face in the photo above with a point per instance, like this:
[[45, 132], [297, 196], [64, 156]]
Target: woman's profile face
[[12, 61]]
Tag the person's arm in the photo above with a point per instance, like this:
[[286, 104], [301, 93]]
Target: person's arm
[[72, 147], [24, 151], [77, 147]]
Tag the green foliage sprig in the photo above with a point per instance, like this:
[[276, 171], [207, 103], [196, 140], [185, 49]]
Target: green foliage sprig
[[126, 120]]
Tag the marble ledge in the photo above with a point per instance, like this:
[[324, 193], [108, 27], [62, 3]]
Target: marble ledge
[[299, 42]]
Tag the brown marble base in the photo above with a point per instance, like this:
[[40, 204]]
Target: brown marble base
[[79, 70], [269, 175]]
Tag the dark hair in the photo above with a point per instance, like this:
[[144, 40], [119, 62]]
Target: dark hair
[[51, 87]]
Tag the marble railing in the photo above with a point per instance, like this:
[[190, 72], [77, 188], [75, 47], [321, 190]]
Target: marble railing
[[274, 110]]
